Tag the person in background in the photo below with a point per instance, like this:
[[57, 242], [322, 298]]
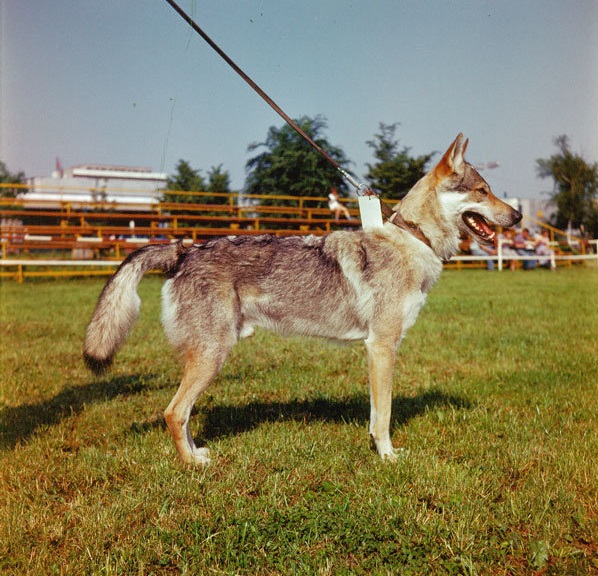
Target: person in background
[[478, 249], [335, 206], [524, 246], [508, 251], [542, 242]]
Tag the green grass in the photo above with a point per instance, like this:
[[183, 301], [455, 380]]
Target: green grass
[[496, 404]]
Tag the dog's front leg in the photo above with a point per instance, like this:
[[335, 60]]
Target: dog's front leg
[[381, 359]]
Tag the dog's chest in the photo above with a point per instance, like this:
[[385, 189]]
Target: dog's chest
[[412, 306]]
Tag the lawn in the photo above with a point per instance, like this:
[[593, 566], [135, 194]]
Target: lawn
[[495, 405]]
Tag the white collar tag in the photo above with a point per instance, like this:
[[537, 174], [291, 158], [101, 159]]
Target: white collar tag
[[370, 211]]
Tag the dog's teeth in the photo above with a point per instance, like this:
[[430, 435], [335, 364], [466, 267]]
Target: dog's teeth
[[478, 227]]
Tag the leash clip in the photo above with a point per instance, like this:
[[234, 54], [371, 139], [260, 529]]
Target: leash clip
[[361, 188], [365, 190]]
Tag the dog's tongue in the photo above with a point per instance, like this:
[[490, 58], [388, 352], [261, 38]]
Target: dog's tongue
[[481, 223]]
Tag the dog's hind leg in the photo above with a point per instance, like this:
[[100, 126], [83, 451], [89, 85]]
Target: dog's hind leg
[[200, 370], [381, 360]]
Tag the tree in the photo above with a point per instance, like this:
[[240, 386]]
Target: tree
[[290, 166], [186, 179], [218, 181], [575, 187], [395, 171], [7, 177]]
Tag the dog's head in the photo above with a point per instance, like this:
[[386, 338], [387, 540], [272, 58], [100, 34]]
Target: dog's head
[[465, 197], [451, 199]]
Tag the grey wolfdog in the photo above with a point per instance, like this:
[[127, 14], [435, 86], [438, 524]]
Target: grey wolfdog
[[348, 285]]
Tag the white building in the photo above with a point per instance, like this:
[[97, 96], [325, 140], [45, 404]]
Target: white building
[[126, 187], [537, 209]]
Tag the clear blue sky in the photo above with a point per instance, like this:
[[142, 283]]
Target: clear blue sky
[[127, 82]]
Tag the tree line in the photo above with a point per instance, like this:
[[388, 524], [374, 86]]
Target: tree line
[[284, 164]]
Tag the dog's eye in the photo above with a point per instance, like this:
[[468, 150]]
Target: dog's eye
[[483, 191]]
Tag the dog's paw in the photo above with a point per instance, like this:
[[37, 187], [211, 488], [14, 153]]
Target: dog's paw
[[394, 454], [200, 456], [386, 450]]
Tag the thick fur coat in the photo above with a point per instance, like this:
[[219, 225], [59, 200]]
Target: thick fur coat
[[349, 285]]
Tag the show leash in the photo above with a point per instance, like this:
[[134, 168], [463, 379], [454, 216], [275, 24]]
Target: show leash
[[363, 190]]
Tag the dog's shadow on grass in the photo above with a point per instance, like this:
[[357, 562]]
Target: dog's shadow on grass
[[19, 423], [233, 419]]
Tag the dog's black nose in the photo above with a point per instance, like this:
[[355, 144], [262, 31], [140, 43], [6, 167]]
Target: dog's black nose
[[517, 216]]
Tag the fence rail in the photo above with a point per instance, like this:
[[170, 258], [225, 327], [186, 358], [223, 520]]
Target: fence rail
[[101, 227], [98, 234]]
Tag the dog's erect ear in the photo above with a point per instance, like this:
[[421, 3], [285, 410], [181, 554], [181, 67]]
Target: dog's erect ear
[[453, 160]]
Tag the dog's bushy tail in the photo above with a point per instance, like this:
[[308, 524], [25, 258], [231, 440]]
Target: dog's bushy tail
[[118, 306]]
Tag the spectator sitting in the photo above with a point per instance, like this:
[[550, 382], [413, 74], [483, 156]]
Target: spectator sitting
[[524, 246], [505, 240], [335, 206], [542, 242], [478, 249]]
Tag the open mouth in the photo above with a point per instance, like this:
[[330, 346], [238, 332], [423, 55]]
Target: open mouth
[[479, 227]]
